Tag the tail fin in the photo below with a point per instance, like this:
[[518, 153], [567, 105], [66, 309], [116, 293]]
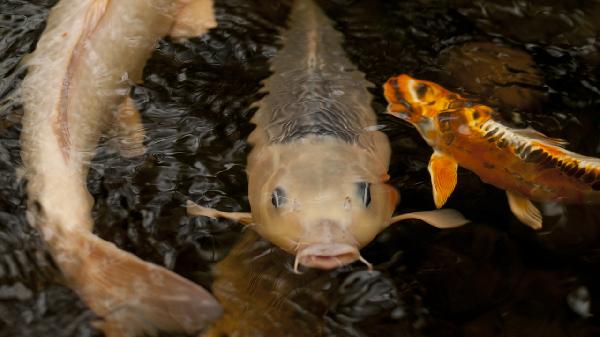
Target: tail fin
[[132, 296]]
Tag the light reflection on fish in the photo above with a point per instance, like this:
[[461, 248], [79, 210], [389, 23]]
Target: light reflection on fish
[[524, 162], [77, 87], [318, 168]]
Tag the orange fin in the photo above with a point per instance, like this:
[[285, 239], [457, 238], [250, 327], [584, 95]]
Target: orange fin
[[442, 218], [241, 217], [442, 169], [194, 19], [542, 138], [130, 295], [130, 129], [524, 210]]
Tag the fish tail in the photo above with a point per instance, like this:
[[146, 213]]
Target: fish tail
[[131, 296]]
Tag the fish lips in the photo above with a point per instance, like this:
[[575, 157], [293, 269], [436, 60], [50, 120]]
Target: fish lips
[[401, 110], [327, 255]]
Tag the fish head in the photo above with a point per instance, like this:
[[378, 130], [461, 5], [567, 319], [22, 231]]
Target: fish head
[[411, 99], [432, 109], [319, 201]]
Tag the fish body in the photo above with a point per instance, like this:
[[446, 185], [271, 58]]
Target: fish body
[[318, 168], [317, 172], [76, 88], [524, 162]]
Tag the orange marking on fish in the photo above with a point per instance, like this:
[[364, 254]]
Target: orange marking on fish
[[523, 162], [61, 124]]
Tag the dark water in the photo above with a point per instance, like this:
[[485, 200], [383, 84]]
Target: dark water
[[537, 62]]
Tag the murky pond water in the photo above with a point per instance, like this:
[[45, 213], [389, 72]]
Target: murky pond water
[[537, 62]]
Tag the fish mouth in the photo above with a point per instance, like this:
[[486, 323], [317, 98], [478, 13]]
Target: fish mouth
[[400, 110], [327, 256]]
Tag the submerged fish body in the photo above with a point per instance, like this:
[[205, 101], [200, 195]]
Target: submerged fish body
[[524, 162], [318, 168], [77, 86]]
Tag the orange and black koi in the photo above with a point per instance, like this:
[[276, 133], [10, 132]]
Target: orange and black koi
[[524, 162]]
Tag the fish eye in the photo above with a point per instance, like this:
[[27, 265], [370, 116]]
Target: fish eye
[[364, 192], [421, 90], [37, 207], [278, 197]]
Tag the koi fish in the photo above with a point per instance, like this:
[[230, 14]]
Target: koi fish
[[524, 162], [317, 173], [77, 87]]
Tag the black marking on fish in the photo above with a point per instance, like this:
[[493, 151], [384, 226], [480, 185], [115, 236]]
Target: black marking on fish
[[589, 177], [534, 156], [399, 97], [572, 170], [596, 186], [489, 165], [421, 90], [445, 121], [490, 133]]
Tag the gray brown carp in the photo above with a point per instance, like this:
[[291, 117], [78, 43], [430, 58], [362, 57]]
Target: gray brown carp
[[317, 171], [77, 86]]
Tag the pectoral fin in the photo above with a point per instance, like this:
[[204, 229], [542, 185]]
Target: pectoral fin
[[241, 217], [442, 169], [130, 129], [194, 19], [524, 210], [443, 218]]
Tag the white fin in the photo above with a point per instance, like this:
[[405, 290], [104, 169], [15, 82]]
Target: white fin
[[542, 138], [130, 295], [524, 210], [194, 19], [241, 217], [442, 218], [443, 171], [130, 130]]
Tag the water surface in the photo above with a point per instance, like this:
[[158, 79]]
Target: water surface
[[536, 62]]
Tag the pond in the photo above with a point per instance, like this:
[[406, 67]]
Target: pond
[[536, 62]]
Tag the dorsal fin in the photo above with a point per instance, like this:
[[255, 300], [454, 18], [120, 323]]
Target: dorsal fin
[[540, 137]]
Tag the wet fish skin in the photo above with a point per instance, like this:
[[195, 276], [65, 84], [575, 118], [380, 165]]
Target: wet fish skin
[[524, 162], [77, 88], [317, 172]]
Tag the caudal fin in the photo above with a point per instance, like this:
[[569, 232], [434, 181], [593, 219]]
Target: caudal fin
[[130, 295]]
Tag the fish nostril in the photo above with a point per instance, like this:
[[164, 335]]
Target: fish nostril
[[37, 207]]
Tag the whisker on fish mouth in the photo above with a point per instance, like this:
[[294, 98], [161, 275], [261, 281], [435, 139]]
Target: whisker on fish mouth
[[367, 263], [296, 264]]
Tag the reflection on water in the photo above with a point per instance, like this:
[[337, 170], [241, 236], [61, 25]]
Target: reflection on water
[[537, 63]]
